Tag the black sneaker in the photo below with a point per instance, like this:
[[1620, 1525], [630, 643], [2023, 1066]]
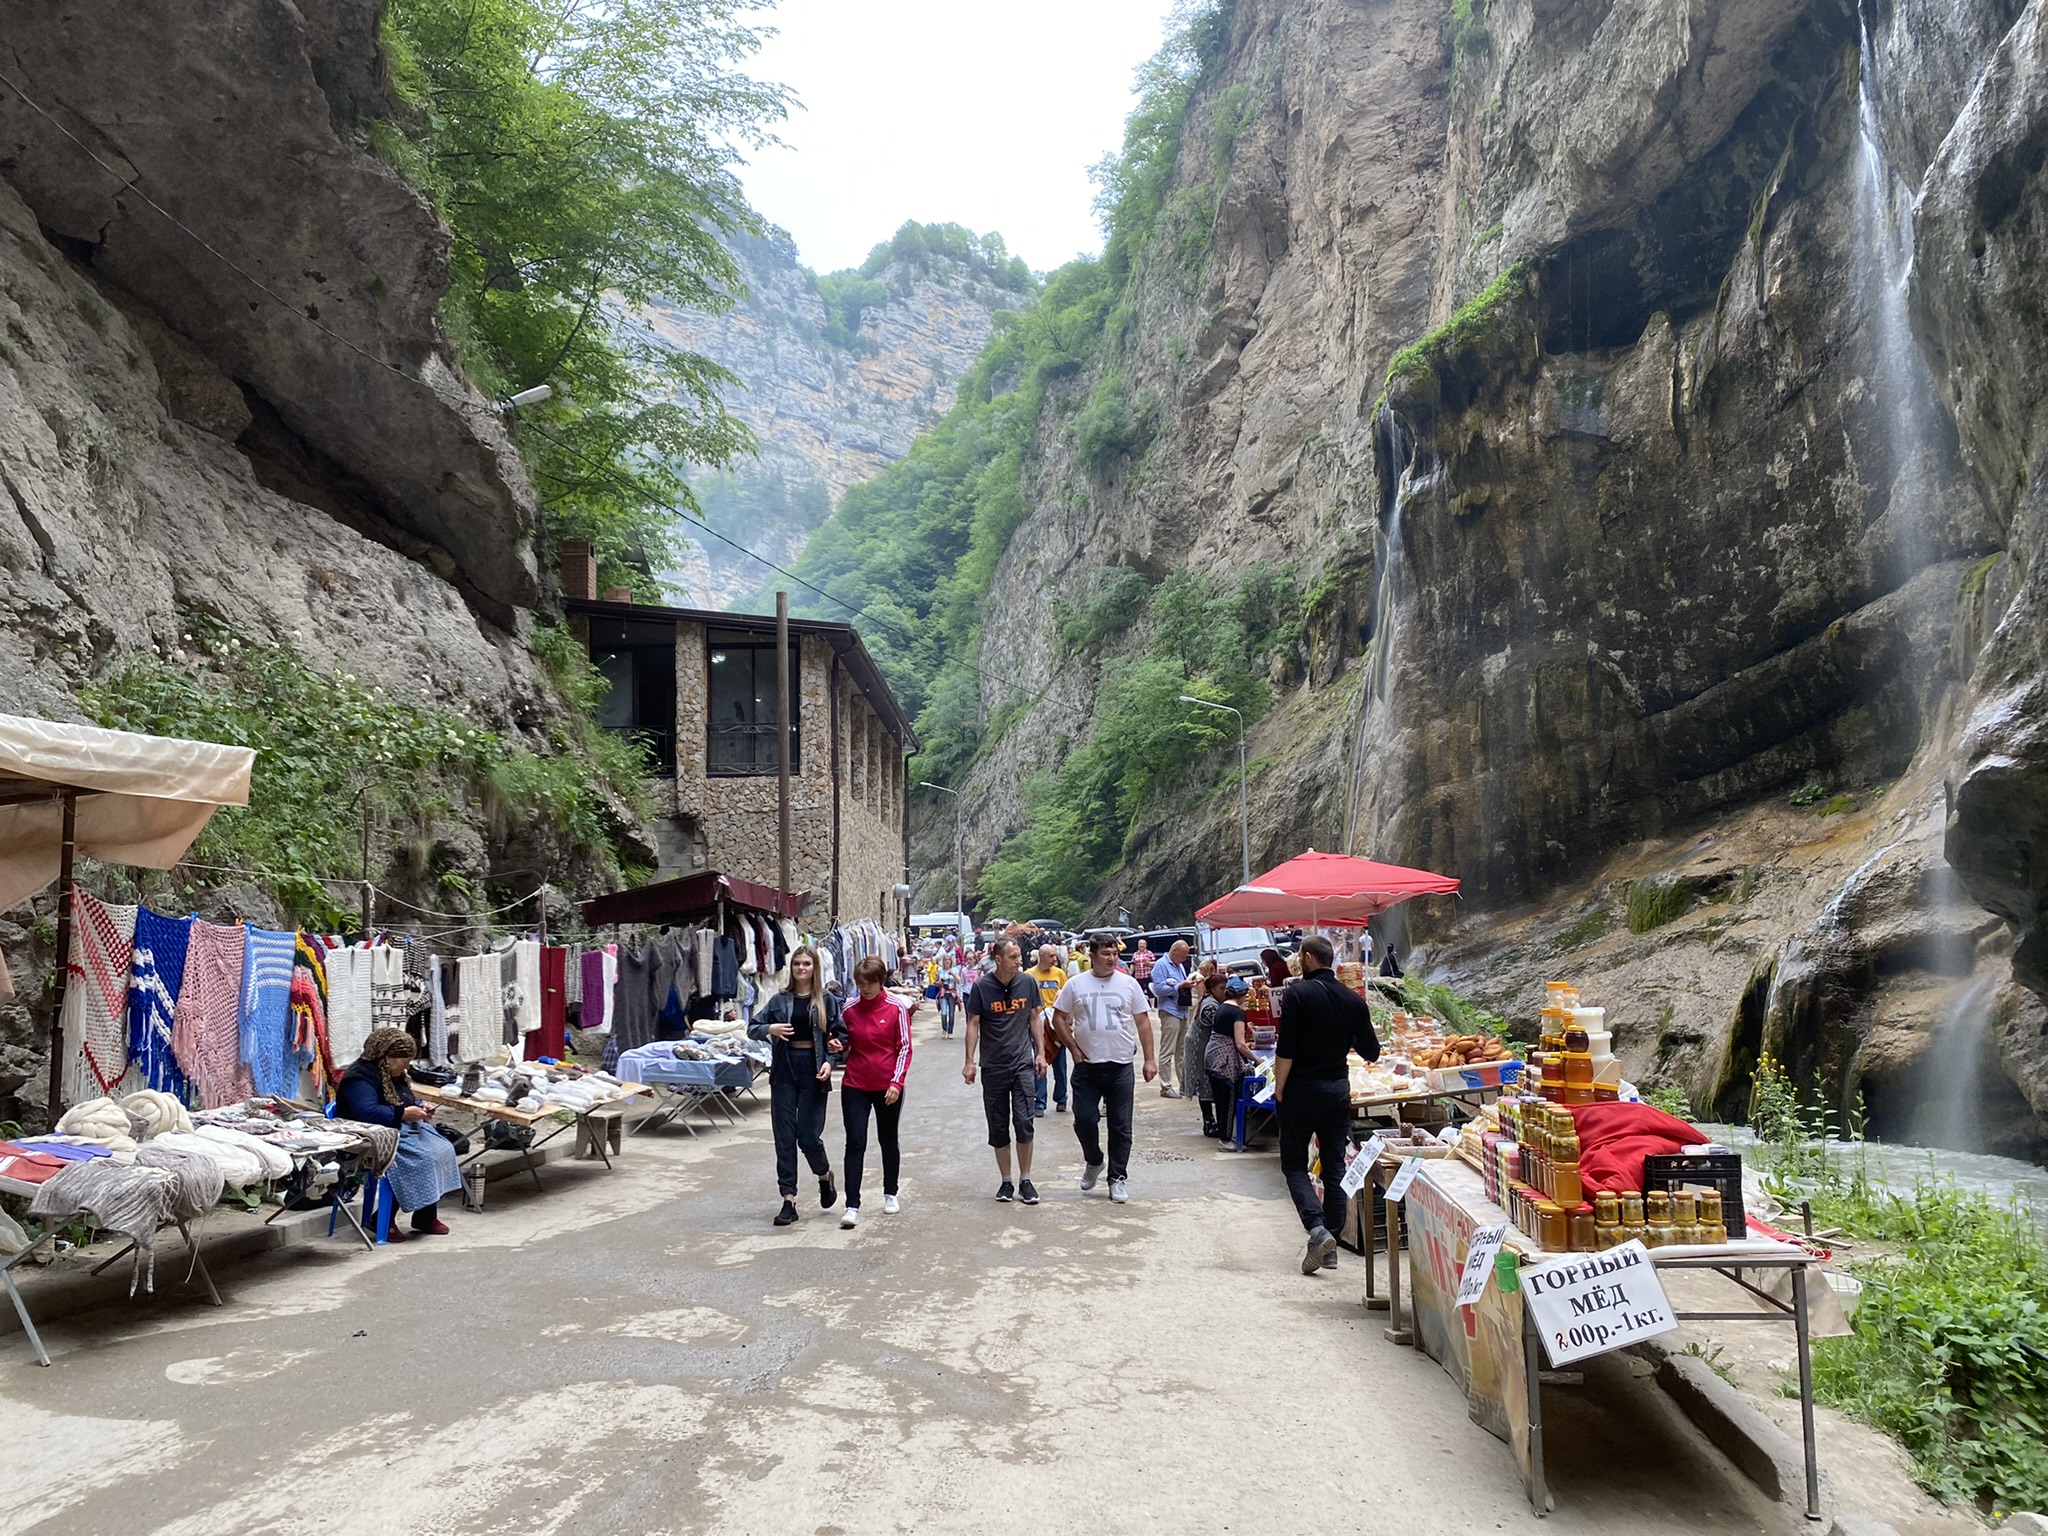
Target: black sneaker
[[786, 1217], [1320, 1246], [1028, 1192], [1007, 1193], [1330, 1259], [828, 1193]]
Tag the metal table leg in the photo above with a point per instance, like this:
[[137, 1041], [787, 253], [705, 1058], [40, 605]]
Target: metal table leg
[[1799, 1325], [198, 1262], [28, 1324]]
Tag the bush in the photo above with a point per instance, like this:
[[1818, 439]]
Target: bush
[[1110, 612], [1107, 428]]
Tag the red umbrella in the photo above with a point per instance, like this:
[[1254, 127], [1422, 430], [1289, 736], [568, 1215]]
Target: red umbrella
[[1330, 888]]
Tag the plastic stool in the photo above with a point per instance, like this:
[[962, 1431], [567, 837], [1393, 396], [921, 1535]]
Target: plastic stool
[[380, 1202]]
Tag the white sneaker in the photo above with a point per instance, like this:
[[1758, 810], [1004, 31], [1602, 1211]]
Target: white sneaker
[[890, 1205], [851, 1218], [1120, 1190]]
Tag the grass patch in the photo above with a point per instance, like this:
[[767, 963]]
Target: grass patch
[[1652, 903], [1834, 805], [1588, 927], [1473, 322], [1974, 578]]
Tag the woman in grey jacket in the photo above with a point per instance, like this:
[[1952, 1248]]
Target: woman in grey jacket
[[803, 1027]]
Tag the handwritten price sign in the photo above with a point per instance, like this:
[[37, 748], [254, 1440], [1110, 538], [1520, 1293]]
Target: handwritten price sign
[[1360, 1168], [1479, 1263]]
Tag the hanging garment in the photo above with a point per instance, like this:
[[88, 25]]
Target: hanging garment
[[263, 1022], [348, 1002], [509, 1032], [310, 1045], [390, 1006], [481, 985], [705, 946], [437, 1015], [572, 980], [552, 1038], [634, 1006], [725, 968], [526, 972], [597, 997], [154, 981], [419, 989], [785, 936], [203, 1031], [96, 996]]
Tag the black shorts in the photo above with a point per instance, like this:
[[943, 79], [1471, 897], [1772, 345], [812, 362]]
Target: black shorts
[[1008, 1097]]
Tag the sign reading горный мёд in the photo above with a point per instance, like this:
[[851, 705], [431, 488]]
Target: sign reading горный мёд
[[1594, 1302]]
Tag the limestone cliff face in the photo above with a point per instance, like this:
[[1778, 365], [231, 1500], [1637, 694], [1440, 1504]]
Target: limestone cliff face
[[827, 411], [1708, 502], [175, 442]]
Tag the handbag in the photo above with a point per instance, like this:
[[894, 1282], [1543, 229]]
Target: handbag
[[456, 1139]]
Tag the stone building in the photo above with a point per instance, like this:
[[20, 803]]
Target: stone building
[[698, 688]]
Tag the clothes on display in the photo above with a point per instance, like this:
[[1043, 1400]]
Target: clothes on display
[[263, 1023], [96, 999], [154, 982], [204, 1032]]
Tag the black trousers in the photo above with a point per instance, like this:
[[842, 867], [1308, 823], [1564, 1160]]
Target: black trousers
[[1224, 1091], [1321, 1110], [796, 1106], [1100, 1086], [854, 1104]]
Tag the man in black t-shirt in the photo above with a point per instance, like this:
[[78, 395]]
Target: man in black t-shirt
[[1321, 1022], [1006, 1049]]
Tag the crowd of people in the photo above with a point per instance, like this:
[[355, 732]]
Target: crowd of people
[[1079, 1028]]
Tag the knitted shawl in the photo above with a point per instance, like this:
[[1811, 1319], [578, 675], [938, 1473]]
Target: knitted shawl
[[309, 1013], [480, 985], [390, 1004], [348, 1001], [203, 1031], [157, 977], [597, 994], [96, 992], [263, 1021]]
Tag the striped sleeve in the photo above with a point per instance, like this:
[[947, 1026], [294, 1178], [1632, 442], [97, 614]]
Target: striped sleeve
[[902, 1069]]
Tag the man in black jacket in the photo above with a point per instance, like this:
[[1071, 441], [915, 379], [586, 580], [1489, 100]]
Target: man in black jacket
[[1321, 1022]]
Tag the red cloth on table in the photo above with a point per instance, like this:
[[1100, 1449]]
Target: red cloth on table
[[552, 1038], [29, 1166], [1615, 1138]]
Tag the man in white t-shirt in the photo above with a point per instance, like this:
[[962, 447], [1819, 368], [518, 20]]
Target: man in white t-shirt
[[1102, 1016]]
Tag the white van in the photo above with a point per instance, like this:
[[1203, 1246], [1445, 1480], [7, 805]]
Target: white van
[[936, 925], [1234, 949]]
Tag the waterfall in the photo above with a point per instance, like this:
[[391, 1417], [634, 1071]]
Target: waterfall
[[1902, 385], [1955, 1069]]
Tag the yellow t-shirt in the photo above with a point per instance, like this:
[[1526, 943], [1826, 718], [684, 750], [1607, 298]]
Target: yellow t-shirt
[[1049, 983]]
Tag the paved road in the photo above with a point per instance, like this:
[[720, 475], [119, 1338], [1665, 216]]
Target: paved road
[[639, 1351]]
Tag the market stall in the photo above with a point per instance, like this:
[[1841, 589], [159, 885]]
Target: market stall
[[1537, 1236], [67, 790], [532, 1096]]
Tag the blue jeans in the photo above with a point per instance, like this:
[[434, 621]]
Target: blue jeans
[[946, 1011], [1058, 1073]]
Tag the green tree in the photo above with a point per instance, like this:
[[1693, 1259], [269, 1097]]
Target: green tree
[[582, 155]]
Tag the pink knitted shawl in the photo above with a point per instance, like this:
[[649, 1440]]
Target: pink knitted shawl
[[205, 1035]]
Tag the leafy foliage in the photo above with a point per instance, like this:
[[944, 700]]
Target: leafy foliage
[[582, 154], [326, 742], [1111, 611]]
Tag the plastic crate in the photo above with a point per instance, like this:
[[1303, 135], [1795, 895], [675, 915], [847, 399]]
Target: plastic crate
[[1718, 1171]]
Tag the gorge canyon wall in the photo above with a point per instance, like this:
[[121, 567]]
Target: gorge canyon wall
[[1648, 403]]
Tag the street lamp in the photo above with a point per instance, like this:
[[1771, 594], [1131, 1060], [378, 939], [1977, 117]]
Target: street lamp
[[1244, 815], [959, 847]]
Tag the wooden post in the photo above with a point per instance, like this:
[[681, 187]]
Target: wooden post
[[367, 888], [65, 899], [782, 731], [832, 902]]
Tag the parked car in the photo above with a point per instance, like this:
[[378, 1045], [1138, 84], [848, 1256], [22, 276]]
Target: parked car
[[1235, 949]]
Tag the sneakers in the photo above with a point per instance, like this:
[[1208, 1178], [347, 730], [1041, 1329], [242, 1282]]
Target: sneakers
[[1320, 1247], [1169, 1093], [890, 1205], [1028, 1192], [1090, 1174], [787, 1215], [1119, 1190], [828, 1193], [1232, 1146], [1060, 1108], [1007, 1192], [851, 1217], [1330, 1259]]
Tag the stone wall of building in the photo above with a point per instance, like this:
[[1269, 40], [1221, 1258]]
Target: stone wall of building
[[735, 816]]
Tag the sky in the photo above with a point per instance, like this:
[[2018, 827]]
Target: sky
[[986, 113]]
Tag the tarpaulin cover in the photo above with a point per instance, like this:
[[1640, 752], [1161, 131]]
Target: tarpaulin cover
[[141, 799], [1322, 888]]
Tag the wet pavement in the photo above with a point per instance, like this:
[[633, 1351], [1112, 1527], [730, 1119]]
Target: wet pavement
[[640, 1351]]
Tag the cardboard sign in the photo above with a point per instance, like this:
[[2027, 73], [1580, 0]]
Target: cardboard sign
[[1591, 1303], [1409, 1168], [1479, 1263], [1360, 1167]]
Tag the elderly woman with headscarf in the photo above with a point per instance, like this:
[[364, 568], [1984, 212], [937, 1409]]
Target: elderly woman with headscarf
[[375, 1090]]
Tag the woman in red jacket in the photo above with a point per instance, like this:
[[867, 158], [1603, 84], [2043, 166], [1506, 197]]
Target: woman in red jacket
[[877, 1060]]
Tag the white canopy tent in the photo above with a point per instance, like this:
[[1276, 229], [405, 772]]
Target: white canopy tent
[[112, 795]]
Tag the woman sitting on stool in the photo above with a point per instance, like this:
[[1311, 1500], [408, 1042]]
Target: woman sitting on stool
[[375, 1091]]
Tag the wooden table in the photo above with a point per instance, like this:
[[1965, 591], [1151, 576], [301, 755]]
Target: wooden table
[[484, 1109]]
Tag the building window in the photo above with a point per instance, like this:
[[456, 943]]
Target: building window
[[638, 659], [741, 704]]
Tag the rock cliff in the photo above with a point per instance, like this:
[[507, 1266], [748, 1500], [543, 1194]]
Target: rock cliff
[[835, 385], [1648, 401], [264, 429]]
